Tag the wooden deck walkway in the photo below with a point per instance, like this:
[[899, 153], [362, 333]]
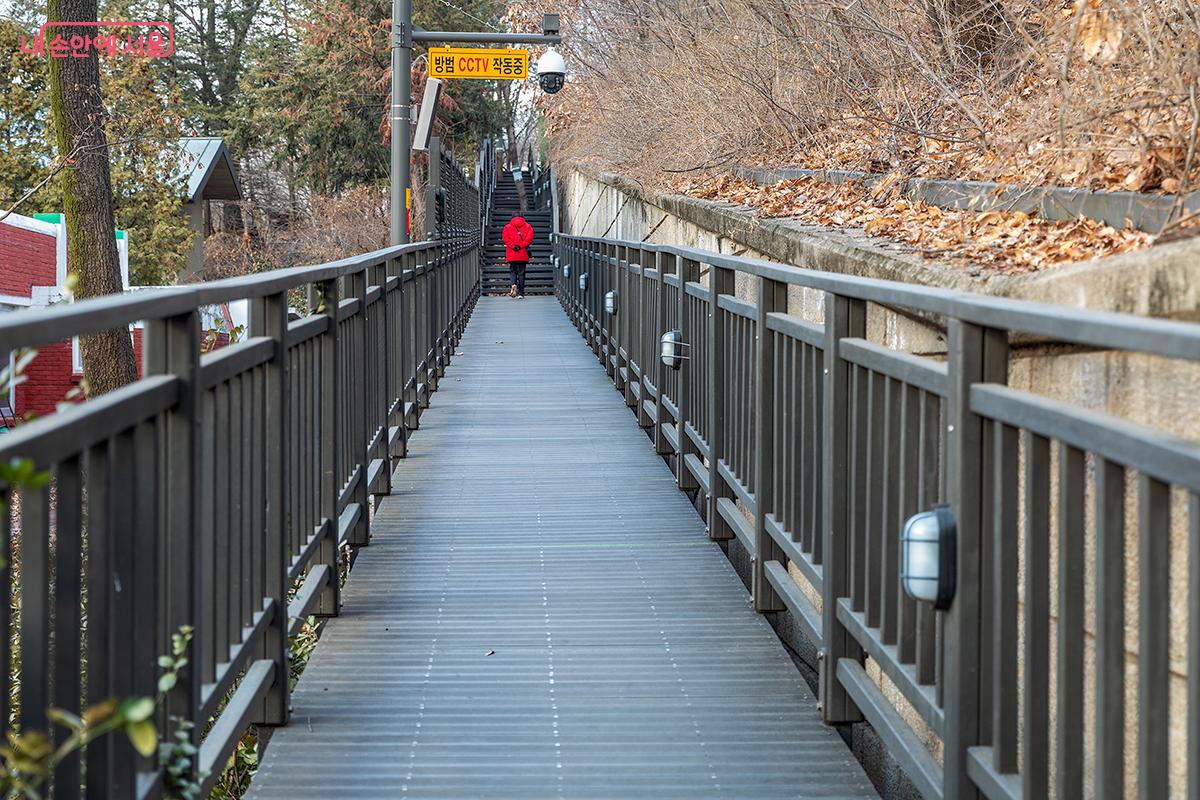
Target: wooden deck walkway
[[541, 615]]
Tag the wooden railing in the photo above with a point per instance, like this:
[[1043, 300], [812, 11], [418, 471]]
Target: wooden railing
[[809, 445], [216, 492]]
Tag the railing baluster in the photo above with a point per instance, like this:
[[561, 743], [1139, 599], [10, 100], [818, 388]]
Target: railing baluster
[[688, 272], [976, 355], [927, 495], [1154, 637], [720, 281], [99, 592], [1005, 583], [329, 412], [873, 492], [1036, 714], [1069, 626], [1193, 645], [889, 527], [68, 616], [123, 780], [35, 607], [772, 297], [844, 318], [909, 467], [173, 347], [269, 317], [148, 641], [662, 445]]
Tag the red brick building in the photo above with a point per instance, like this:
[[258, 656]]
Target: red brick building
[[33, 273]]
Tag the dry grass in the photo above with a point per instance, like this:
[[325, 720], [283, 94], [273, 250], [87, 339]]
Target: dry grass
[[1088, 93], [328, 228]]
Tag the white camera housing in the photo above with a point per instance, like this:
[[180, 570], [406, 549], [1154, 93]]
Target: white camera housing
[[551, 72]]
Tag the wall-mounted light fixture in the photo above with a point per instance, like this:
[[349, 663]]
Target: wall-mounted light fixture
[[583, 281], [610, 302], [671, 347], [927, 556], [566, 269]]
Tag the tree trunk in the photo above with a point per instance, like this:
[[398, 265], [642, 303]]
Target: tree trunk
[[78, 115]]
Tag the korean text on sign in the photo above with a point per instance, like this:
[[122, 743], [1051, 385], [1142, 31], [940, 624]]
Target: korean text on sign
[[64, 40], [473, 62]]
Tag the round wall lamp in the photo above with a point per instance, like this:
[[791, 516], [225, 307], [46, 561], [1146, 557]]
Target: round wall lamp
[[671, 347], [927, 557]]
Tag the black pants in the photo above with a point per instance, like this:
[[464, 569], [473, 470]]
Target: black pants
[[517, 268]]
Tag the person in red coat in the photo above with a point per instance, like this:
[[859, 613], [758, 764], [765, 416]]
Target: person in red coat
[[517, 235]]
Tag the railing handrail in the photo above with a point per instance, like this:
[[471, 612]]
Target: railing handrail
[[32, 327], [1093, 327]]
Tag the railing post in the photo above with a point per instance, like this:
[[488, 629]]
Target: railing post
[[434, 352], [630, 307], [356, 287], [445, 311], [395, 340], [421, 326], [661, 445], [433, 183], [604, 257], [409, 333], [688, 272], [844, 318], [382, 370], [772, 297], [615, 276], [269, 317], [720, 281], [330, 420], [976, 355], [647, 319], [459, 294], [172, 347]]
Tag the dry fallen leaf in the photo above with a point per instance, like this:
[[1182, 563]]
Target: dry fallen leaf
[[1012, 242], [1100, 35]]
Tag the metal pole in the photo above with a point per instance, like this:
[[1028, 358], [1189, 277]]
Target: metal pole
[[401, 98], [481, 37]]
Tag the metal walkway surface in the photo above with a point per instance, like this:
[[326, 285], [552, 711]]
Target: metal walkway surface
[[540, 614]]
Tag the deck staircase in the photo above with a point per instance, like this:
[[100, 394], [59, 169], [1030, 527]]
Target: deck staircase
[[539, 275]]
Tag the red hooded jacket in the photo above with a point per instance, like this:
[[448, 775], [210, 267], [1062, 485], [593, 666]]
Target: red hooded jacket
[[517, 235]]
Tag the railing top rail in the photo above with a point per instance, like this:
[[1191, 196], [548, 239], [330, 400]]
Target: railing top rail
[[1089, 327], [34, 327]]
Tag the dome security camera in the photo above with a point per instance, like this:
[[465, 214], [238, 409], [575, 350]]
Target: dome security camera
[[551, 72]]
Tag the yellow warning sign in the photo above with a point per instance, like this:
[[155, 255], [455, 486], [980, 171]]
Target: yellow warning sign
[[475, 62]]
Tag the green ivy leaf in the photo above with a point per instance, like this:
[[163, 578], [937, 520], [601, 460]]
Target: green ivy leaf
[[167, 682], [137, 709], [144, 736]]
